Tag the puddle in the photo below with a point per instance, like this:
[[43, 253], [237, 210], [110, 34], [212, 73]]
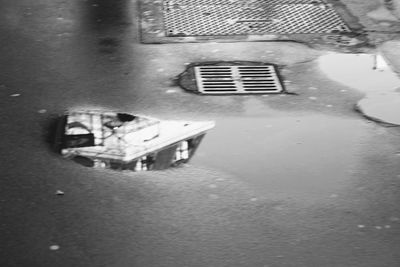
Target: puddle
[[297, 154], [367, 73], [384, 107], [124, 141], [370, 74]]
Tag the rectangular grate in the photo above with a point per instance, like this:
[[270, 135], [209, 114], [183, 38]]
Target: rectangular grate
[[239, 17], [237, 79]]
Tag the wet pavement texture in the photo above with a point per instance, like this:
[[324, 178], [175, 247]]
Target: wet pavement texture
[[282, 180]]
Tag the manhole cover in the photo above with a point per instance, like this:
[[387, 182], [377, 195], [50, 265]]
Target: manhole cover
[[238, 17], [244, 79]]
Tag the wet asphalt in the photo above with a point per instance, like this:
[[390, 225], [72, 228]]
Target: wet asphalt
[[283, 180]]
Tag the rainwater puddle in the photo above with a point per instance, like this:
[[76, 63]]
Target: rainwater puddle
[[370, 74], [367, 73], [297, 154]]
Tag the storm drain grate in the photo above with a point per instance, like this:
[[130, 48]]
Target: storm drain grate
[[237, 79], [238, 17]]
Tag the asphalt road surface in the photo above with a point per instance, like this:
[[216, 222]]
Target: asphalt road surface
[[284, 180]]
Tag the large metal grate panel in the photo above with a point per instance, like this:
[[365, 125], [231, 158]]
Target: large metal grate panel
[[229, 17], [237, 79]]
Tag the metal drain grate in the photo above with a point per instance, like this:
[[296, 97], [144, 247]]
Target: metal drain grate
[[237, 79], [230, 17]]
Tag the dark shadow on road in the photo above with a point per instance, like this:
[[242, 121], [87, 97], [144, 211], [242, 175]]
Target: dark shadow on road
[[108, 21], [99, 15], [50, 128]]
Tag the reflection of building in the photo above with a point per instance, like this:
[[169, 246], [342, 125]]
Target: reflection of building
[[126, 142]]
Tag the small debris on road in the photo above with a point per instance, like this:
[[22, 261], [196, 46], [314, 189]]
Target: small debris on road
[[59, 193], [15, 95], [361, 226], [378, 227], [312, 98], [329, 106], [170, 91], [41, 111], [54, 247]]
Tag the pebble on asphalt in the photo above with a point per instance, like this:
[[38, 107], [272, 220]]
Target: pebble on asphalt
[[54, 247], [42, 111], [15, 95], [59, 193]]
